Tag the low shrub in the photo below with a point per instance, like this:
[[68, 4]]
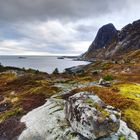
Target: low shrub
[[108, 77]]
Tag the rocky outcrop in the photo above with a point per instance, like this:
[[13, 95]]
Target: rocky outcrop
[[5, 106], [90, 117], [75, 70], [55, 120], [114, 44], [102, 82]]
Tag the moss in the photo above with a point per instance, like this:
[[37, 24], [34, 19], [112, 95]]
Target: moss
[[90, 102], [15, 99], [129, 88], [10, 113], [109, 97], [108, 77], [122, 137], [45, 90], [86, 78], [130, 91], [105, 113], [133, 118], [106, 65], [65, 81], [58, 97], [7, 77]]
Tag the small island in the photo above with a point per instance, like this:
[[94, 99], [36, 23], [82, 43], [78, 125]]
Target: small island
[[22, 57]]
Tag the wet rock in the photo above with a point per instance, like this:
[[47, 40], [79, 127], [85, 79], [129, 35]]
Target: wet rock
[[5, 106], [102, 82], [90, 117], [75, 70]]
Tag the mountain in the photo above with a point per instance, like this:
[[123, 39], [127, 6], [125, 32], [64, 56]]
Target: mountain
[[104, 36], [111, 43]]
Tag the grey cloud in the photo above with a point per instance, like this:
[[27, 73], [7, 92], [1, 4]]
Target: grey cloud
[[86, 28], [59, 26], [56, 9], [86, 32]]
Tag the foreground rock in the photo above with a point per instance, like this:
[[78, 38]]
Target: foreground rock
[[102, 82], [49, 122], [90, 117]]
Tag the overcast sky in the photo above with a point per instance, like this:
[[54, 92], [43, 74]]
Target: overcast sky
[[48, 27]]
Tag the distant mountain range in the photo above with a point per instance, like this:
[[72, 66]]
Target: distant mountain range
[[111, 43]]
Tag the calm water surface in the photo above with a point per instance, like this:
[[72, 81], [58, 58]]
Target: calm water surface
[[41, 63]]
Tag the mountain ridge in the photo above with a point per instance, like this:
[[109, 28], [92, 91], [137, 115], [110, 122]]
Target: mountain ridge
[[111, 43]]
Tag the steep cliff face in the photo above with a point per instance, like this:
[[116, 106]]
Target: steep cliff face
[[104, 36], [110, 43]]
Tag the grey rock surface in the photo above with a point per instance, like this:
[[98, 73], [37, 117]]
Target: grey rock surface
[[91, 117], [48, 122]]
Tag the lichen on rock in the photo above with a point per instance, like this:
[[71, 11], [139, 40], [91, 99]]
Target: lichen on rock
[[83, 116], [90, 116]]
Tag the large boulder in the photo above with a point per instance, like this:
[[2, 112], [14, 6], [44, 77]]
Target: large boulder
[[48, 122], [89, 116]]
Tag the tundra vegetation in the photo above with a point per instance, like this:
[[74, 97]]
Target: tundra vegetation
[[23, 90]]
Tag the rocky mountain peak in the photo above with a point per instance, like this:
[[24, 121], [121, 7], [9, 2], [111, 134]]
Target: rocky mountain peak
[[111, 43], [104, 36]]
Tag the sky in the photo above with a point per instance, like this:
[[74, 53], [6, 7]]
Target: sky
[[59, 27]]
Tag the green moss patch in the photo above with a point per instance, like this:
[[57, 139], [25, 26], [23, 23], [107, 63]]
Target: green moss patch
[[133, 118], [12, 112], [122, 137], [129, 88], [108, 77]]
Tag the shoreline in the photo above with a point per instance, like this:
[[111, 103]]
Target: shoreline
[[43, 64]]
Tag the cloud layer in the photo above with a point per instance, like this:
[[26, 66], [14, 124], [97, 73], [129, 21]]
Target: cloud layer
[[47, 27]]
